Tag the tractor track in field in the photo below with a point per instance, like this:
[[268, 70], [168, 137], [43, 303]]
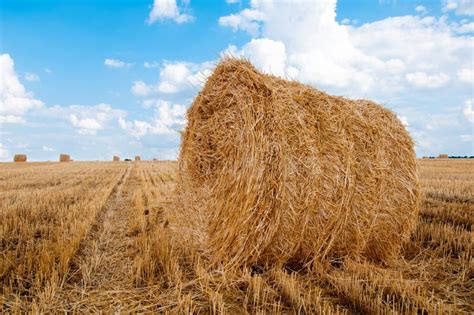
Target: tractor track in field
[[100, 260]]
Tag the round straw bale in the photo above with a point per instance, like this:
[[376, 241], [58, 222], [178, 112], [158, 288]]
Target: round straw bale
[[138, 158], [19, 158], [443, 156], [64, 158], [274, 171], [116, 158]]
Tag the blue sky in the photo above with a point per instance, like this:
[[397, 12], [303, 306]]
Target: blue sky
[[98, 78]]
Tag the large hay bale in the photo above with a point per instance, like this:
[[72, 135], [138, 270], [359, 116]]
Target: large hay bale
[[273, 171], [116, 158], [137, 158], [19, 158], [443, 156], [64, 158]]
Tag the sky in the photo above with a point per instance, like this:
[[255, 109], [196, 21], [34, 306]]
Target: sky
[[115, 77]]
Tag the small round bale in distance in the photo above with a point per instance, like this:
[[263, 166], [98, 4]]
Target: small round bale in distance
[[116, 158], [64, 158], [138, 158], [19, 158], [274, 171]]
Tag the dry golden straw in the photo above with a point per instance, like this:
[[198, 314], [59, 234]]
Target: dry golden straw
[[274, 171], [64, 158], [19, 158]]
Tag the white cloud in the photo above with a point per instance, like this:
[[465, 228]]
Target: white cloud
[[460, 7], [48, 149], [168, 118], [463, 28], [467, 138], [175, 77], [247, 20], [3, 152], [403, 120], [116, 63], [31, 77], [15, 101], [151, 65], [466, 75], [401, 61], [382, 59], [468, 110], [232, 1], [420, 9], [140, 88], [424, 80], [168, 9], [48, 71], [86, 120], [266, 54], [11, 119]]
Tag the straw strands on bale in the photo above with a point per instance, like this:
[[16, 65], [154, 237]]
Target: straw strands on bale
[[137, 158], [273, 171], [19, 158], [116, 158], [443, 156], [64, 158]]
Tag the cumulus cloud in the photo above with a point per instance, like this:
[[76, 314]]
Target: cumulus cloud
[[3, 152], [168, 118], [401, 61], [468, 110], [403, 120], [31, 77], [140, 88], [466, 75], [175, 77], [86, 120], [467, 138], [15, 101], [48, 149], [151, 64], [179, 76], [371, 59], [116, 63], [169, 9], [11, 119], [420, 9], [246, 20], [460, 7], [424, 80], [266, 54]]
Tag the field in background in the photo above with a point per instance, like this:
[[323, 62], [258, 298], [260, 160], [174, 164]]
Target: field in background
[[89, 236]]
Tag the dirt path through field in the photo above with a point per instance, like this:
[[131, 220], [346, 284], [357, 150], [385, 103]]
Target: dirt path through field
[[104, 262]]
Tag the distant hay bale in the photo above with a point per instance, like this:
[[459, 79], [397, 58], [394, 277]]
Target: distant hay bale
[[116, 158], [64, 158], [137, 158], [443, 156], [273, 171], [19, 158]]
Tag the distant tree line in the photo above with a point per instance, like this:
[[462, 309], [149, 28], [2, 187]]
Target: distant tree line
[[452, 157]]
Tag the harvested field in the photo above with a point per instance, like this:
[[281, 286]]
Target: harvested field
[[98, 236]]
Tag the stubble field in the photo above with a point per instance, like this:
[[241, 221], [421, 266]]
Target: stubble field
[[96, 236]]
